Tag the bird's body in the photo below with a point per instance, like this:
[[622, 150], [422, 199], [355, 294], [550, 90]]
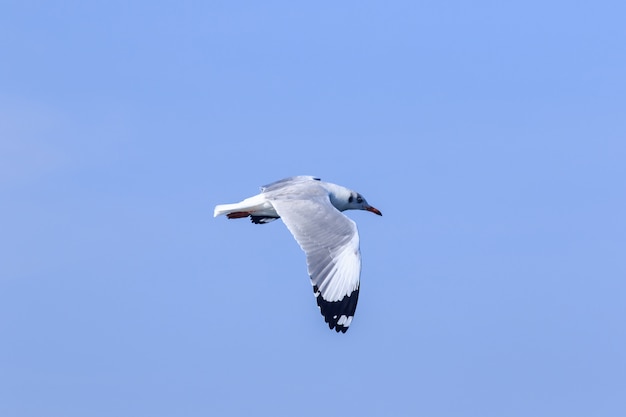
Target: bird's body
[[311, 210]]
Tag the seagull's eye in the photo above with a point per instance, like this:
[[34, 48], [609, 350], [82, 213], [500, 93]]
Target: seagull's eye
[[359, 199], [350, 199]]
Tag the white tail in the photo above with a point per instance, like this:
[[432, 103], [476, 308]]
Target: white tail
[[226, 209], [257, 205]]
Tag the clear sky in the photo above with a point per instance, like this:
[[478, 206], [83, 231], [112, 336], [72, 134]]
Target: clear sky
[[492, 136]]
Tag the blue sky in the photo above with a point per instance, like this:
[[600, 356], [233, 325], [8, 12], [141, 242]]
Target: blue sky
[[491, 136]]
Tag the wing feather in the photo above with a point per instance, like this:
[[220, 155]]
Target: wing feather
[[330, 241]]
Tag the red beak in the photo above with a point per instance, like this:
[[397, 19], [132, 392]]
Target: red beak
[[374, 210]]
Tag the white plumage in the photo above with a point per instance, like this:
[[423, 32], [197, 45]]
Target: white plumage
[[311, 210]]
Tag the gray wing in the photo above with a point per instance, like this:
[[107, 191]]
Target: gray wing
[[286, 182], [331, 243]]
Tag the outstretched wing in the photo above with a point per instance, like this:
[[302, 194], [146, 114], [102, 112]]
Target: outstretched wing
[[331, 243], [286, 182]]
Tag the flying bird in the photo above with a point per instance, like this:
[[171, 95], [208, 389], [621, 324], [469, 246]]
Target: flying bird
[[311, 210]]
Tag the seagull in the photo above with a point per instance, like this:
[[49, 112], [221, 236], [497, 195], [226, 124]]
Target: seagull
[[311, 210]]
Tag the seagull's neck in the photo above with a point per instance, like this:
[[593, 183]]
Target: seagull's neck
[[338, 195]]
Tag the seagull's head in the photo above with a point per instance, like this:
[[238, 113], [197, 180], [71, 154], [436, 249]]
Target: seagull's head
[[345, 199], [357, 202], [351, 200]]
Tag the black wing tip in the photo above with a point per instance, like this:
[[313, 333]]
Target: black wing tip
[[262, 219], [338, 328], [335, 312]]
